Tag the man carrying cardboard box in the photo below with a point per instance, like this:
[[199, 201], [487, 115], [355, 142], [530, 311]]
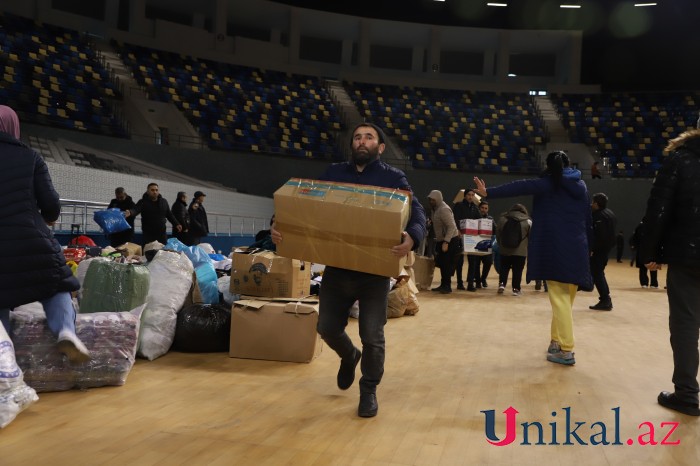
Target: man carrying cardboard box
[[342, 287]]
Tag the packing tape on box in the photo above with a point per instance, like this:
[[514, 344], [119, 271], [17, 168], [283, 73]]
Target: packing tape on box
[[356, 240]]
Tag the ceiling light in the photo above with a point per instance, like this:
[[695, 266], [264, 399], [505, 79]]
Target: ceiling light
[[496, 4], [645, 4], [569, 6], [439, 0], [512, 75]]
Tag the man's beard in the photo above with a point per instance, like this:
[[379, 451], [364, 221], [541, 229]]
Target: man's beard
[[362, 158]]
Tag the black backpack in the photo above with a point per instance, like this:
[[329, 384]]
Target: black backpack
[[511, 233]]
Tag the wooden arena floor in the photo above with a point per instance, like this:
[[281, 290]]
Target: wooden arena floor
[[462, 354]]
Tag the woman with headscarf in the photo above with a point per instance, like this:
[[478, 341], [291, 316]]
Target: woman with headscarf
[[558, 243], [32, 265]]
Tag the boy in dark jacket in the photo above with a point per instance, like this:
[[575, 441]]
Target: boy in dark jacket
[[604, 222]]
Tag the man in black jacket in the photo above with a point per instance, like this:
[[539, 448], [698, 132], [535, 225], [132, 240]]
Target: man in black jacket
[[182, 216], [154, 209], [604, 222], [32, 265], [123, 202], [467, 209], [199, 214], [671, 235]]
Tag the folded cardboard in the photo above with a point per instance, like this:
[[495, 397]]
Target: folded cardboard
[[130, 249], [423, 270], [342, 225], [264, 273], [275, 330]]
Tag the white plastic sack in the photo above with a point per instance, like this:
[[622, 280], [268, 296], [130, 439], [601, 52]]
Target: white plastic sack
[[208, 248], [15, 395], [171, 279]]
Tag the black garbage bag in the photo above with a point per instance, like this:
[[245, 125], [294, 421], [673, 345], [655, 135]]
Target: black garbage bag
[[203, 328]]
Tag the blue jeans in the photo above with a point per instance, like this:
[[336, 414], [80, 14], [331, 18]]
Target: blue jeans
[[60, 313], [339, 290]]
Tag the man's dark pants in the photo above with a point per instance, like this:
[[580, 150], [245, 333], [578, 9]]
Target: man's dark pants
[[684, 323], [598, 262], [339, 290]]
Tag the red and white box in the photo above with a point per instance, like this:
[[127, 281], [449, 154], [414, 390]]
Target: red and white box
[[485, 226], [469, 226]]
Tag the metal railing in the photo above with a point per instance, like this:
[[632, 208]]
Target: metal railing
[[77, 212]]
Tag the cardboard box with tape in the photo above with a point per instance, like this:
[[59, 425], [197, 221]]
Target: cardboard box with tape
[[342, 225]]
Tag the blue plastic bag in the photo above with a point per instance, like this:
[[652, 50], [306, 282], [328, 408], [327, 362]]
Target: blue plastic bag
[[111, 220], [203, 269]]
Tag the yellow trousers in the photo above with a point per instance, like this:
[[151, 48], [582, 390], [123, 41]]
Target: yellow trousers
[[561, 297]]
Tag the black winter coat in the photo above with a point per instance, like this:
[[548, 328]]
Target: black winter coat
[[32, 265], [604, 224], [181, 215], [672, 222], [153, 215], [199, 217]]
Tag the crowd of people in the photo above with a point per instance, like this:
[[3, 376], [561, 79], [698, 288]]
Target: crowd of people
[[565, 241], [189, 223]]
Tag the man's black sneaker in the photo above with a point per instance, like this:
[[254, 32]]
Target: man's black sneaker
[[669, 400], [368, 405], [346, 373]]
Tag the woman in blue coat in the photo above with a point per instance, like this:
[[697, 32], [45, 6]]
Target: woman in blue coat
[[558, 242], [32, 265]]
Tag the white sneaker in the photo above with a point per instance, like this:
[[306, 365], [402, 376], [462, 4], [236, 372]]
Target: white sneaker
[[74, 349], [501, 288], [516, 292]]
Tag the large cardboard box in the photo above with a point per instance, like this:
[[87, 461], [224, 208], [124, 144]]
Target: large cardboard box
[[275, 330], [264, 273], [342, 225]]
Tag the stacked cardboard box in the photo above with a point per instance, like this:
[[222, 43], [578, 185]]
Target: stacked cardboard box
[[274, 322], [474, 231], [264, 273]]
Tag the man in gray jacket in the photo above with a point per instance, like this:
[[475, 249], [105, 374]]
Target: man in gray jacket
[[447, 244]]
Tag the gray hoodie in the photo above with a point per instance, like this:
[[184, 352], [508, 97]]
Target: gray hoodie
[[443, 219]]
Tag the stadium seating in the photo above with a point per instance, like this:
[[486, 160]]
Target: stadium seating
[[456, 130], [241, 108], [51, 75], [629, 129]]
